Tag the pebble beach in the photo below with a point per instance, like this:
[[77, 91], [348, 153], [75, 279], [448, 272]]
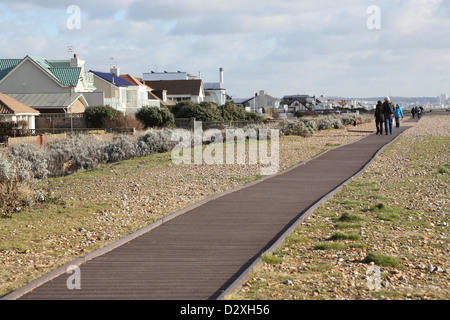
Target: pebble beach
[[396, 224]]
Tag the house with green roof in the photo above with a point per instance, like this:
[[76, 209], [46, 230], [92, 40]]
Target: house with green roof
[[58, 89], [50, 86], [39, 75]]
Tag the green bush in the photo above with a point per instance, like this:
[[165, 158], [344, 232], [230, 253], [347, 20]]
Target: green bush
[[232, 112], [156, 117], [97, 115], [211, 112], [252, 116], [205, 111]]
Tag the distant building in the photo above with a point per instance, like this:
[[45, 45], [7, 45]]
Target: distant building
[[442, 99], [323, 103], [179, 88], [215, 91], [260, 102], [293, 103], [123, 92], [140, 95]]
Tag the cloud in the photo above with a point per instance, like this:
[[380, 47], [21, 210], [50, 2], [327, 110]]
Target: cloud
[[281, 46]]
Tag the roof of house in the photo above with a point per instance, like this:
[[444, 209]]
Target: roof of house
[[59, 70], [47, 100], [112, 78], [157, 94], [267, 96], [132, 80], [9, 105], [192, 87], [6, 65]]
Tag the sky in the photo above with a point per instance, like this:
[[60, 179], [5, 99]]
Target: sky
[[346, 48]]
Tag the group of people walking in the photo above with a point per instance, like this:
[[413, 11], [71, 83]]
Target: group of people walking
[[385, 113], [417, 111]]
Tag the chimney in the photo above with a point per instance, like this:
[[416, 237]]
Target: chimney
[[221, 75], [115, 71], [74, 62]]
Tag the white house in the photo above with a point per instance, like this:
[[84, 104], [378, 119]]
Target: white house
[[139, 95], [215, 91], [293, 103], [260, 102], [13, 110], [123, 92], [323, 103]]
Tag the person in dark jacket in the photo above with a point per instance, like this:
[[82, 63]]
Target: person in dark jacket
[[388, 112], [379, 117], [420, 112]]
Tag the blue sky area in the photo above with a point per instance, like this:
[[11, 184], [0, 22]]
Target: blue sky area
[[280, 46]]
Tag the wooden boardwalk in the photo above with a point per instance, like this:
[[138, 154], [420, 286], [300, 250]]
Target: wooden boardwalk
[[199, 254]]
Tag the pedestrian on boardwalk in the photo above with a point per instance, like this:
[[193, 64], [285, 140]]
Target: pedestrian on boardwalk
[[398, 113], [388, 112], [420, 112], [379, 117], [414, 111]]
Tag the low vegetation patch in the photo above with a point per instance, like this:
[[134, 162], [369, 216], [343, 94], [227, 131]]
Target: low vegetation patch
[[330, 246], [271, 258], [344, 236], [346, 225], [382, 260], [348, 217], [444, 169], [389, 216], [295, 238]]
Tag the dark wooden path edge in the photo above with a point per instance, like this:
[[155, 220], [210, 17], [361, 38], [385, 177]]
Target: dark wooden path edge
[[243, 273]]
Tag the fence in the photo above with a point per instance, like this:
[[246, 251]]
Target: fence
[[37, 141], [60, 120], [85, 131]]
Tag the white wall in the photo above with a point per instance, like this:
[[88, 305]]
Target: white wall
[[29, 78]]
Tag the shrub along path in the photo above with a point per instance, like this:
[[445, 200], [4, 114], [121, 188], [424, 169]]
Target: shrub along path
[[199, 252]]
